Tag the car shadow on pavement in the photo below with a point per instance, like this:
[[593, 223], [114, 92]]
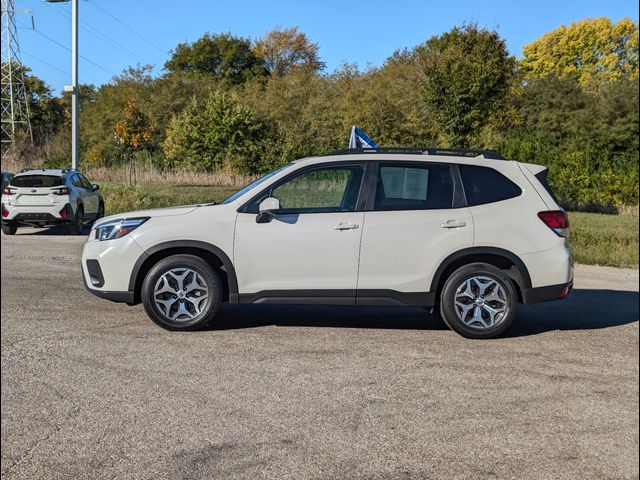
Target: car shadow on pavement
[[584, 309]]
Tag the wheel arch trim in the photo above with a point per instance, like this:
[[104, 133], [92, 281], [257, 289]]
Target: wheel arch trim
[[232, 280], [524, 281]]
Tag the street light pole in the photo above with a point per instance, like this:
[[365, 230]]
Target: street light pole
[[74, 84], [73, 88]]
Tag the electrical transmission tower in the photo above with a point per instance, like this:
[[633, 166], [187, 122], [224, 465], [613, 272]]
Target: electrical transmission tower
[[16, 126]]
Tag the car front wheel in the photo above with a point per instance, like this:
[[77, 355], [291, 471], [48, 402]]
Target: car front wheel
[[182, 292], [479, 301]]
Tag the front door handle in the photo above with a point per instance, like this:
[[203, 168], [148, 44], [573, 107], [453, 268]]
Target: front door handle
[[454, 224], [346, 226]]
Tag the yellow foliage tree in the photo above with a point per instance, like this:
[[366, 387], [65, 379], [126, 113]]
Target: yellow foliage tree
[[591, 49], [133, 134]]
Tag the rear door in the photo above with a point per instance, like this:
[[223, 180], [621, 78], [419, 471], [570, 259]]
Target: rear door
[[415, 219], [92, 199]]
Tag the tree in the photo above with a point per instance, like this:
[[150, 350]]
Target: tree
[[133, 134], [593, 48], [221, 55], [283, 50], [467, 73], [219, 134]]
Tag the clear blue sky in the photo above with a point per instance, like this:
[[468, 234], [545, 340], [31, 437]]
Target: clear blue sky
[[362, 32]]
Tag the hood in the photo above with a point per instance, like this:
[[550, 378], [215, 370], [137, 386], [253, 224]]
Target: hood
[[152, 213]]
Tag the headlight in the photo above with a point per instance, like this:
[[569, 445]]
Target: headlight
[[118, 228]]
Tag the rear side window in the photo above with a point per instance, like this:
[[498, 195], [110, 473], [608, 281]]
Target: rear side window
[[31, 181], [542, 178], [486, 185], [77, 181], [413, 187]]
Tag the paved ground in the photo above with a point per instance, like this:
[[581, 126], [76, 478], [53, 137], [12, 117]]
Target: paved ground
[[92, 389]]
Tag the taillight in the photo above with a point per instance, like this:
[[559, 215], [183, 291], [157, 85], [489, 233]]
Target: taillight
[[556, 220], [63, 212], [5, 212], [61, 191], [8, 191]]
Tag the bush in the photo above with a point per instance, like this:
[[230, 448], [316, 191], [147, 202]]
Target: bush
[[220, 134]]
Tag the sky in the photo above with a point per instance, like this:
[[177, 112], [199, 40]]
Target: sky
[[116, 34]]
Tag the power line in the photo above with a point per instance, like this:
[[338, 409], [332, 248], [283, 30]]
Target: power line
[[45, 63], [99, 35], [68, 49], [127, 27]]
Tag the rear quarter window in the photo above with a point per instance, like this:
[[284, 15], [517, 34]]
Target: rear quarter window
[[34, 181], [485, 185]]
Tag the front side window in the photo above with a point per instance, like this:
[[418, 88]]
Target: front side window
[[486, 185], [322, 190], [413, 187]]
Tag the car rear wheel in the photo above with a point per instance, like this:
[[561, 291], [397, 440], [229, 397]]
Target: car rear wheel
[[182, 292], [9, 228], [479, 301], [77, 226]]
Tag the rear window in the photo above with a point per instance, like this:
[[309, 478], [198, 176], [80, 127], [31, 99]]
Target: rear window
[[30, 181], [486, 185]]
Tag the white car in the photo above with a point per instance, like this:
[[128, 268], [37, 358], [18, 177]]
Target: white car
[[472, 236], [44, 198]]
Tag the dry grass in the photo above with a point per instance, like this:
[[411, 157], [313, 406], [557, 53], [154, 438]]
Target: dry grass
[[150, 175]]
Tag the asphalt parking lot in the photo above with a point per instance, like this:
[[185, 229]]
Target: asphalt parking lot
[[93, 389]]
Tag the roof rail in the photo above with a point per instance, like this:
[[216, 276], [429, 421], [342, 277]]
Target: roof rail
[[459, 152]]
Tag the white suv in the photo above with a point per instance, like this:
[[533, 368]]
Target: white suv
[[472, 236], [44, 198]]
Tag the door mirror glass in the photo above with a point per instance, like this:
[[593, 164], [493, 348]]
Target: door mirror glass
[[269, 204], [95, 187]]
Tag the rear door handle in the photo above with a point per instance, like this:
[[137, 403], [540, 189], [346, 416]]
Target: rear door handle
[[454, 224], [346, 226]]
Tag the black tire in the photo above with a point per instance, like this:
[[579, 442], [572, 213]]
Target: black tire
[[77, 226], [160, 273], [504, 298], [9, 228]]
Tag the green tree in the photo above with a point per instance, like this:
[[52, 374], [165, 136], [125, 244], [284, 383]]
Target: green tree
[[222, 55], [593, 48], [283, 50], [133, 134], [467, 73], [219, 134]]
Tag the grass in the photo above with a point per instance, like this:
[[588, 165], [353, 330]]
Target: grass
[[120, 197], [599, 239], [596, 239]]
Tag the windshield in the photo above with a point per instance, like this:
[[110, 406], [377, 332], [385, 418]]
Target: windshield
[[253, 184], [30, 181]]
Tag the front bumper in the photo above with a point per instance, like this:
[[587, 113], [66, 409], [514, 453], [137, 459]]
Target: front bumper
[[120, 297]]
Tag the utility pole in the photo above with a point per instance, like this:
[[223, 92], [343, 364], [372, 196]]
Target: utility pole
[[16, 126], [73, 88]]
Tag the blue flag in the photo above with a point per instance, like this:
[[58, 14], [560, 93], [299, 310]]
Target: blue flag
[[359, 139]]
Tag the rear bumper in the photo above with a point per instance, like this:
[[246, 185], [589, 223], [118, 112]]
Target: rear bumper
[[548, 293], [39, 216]]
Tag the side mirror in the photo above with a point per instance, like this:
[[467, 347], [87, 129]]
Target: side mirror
[[95, 187], [267, 208]]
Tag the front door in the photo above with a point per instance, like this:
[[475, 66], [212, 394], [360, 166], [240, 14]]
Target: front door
[[310, 247]]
